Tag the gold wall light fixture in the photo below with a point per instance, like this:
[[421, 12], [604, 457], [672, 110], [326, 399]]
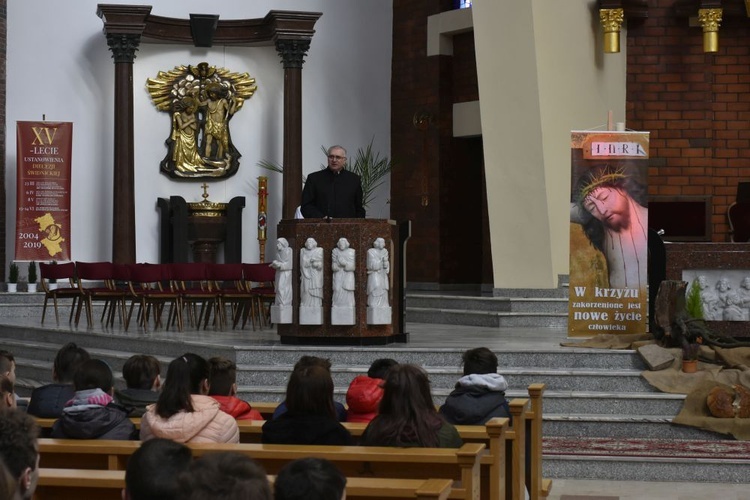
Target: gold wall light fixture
[[710, 20], [611, 20]]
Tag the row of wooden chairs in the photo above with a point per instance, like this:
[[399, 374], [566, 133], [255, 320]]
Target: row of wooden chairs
[[200, 290]]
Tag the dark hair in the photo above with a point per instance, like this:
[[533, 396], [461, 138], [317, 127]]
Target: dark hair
[[6, 361], [7, 482], [305, 361], [154, 468], [93, 374], [310, 392], [226, 475], [613, 175], [407, 415], [140, 371], [379, 368], [184, 377], [67, 361], [309, 479], [18, 434], [480, 360], [223, 376]]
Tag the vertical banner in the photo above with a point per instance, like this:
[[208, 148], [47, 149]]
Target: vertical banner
[[608, 233], [43, 190]]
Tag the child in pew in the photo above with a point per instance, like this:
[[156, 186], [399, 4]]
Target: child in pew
[[49, 400], [407, 414], [19, 451], [153, 470], [225, 475], [142, 377], [310, 479], [7, 395], [184, 412], [365, 392], [92, 412], [480, 394], [303, 362], [8, 369], [311, 417], [223, 388]]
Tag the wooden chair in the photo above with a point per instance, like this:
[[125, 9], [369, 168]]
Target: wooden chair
[[149, 288], [69, 290], [192, 281], [227, 281], [259, 280], [96, 283]]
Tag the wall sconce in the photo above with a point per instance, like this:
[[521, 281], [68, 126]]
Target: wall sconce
[[611, 20], [710, 19]]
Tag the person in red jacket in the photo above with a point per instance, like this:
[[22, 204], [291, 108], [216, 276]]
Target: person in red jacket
[[365, 392], [223, 388]]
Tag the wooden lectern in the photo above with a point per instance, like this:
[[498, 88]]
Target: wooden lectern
[[361, 234]]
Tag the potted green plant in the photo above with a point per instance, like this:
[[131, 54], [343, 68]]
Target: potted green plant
[[13, 277], [32, 277], [690, 354]]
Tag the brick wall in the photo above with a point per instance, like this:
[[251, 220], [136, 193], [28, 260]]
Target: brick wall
[[438, 183], [696, 106]]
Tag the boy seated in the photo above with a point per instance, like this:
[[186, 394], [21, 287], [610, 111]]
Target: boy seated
[[365, 392], [142, 377], [49, 400], [92, 413], [480, 394], [7, 396], [223, 388]]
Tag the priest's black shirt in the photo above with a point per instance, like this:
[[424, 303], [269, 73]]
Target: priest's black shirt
[[329, 194]]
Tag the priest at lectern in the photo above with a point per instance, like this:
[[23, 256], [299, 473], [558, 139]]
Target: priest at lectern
[[333, 192]]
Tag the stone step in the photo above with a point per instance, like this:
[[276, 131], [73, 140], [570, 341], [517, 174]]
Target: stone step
[[621, 427], [493, 304], [486, 318]]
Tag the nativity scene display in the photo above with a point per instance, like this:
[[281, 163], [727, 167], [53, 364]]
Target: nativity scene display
[[201, 101]]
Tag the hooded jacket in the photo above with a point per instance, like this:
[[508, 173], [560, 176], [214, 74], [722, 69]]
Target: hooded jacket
[[49, 400], [237, 408], [476, 399], [136, 400], [362, 398], [206, 424], [83, 419]]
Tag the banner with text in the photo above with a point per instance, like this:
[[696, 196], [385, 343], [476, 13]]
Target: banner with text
[[608, 233], [43, 190]]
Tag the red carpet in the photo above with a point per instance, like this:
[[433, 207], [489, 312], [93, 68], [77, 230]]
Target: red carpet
[[658, 448]]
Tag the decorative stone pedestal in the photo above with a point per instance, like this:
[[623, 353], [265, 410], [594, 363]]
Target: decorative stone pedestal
[[379, 315], [281, 315], [310, 315], [343, 316]]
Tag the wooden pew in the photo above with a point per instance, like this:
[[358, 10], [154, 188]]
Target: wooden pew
[[538, 486], [79, 484], [462, 464]]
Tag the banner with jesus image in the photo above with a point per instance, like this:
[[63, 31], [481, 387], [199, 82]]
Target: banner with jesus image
[[608, 233]]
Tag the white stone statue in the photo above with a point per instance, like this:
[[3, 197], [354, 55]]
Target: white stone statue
[[378, 267], [744, 294], [311, 274], [729, 301], [283, 266], [343, 264]]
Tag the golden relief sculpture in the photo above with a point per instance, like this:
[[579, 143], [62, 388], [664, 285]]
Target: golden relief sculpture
[[201, 99]]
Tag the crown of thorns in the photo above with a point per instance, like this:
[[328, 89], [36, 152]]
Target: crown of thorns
[[607, 176]]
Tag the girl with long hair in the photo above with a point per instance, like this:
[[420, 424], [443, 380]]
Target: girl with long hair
[[407, 415], [184, 412]]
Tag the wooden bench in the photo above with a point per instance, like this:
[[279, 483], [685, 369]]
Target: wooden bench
[[461, 465], [79, 484]]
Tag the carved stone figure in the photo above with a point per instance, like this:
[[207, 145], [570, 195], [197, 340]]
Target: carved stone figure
[[729, 301], [311, 274], [378, 268], [283, 266], [343, 263], [744, 294]]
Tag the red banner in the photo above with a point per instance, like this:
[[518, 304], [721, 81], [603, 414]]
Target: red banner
[[43, 190]]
